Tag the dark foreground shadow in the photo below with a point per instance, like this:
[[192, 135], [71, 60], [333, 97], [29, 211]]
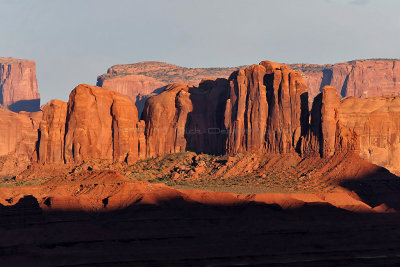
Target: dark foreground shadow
[[32, 105], [180, 233], [376, 188]]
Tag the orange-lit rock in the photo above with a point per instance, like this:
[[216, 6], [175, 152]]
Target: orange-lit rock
[[377, 124], [52, 132], [267, 109], [18, 139], [184, 117], [360, 78], [142, 80], [19, 90], [101, 124]]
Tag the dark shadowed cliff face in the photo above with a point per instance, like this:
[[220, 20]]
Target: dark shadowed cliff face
[[18, 85], [184, 117]]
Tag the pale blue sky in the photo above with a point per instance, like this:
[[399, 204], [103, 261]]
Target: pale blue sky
[[73, 41]]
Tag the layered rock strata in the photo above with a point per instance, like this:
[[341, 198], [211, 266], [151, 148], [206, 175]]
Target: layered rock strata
[[377, 124], [359, 78]]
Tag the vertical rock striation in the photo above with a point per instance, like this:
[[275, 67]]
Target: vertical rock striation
[[18, 85], [95, 124], [328, 135], [359, 78], [184, 117], [18, 133], [142, 80], [267, 109], [52, 132], [377, 124]]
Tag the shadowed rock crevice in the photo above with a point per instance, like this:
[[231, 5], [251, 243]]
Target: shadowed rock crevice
[[205, 131], [343, 91], [47, 202], [105, 202], [142, 98], [32, 105], [327, 75]]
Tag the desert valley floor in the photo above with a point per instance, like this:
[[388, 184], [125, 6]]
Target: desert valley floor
[[107, 214]]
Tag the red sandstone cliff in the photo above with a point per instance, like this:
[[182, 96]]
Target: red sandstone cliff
[[18, 139], [167, 73], [360, 78], [52, 131], [141, 80], [262, 108], [377, 124], [95, 124], [185, 117], [267, 109], [18, 85]]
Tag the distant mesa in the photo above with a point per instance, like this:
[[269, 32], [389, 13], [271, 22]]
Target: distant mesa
[[360, 78], [18, 85], [142, 80]]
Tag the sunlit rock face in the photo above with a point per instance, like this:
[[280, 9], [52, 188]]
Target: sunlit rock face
[[267, 109], [261, 108], [359, 78], [139, 81], [377, 124], [18, 85]]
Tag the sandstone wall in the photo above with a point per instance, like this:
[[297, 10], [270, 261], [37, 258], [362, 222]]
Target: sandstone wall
[[18, 85], [95, 124], [377, 124], [267, 109], [184, 117], [52, 132], [260, 109], [18, 133], [360, 78], [142, 80]]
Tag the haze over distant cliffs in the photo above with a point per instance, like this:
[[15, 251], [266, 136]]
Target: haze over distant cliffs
[[18, 85], [141, 80], [360, 78]]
